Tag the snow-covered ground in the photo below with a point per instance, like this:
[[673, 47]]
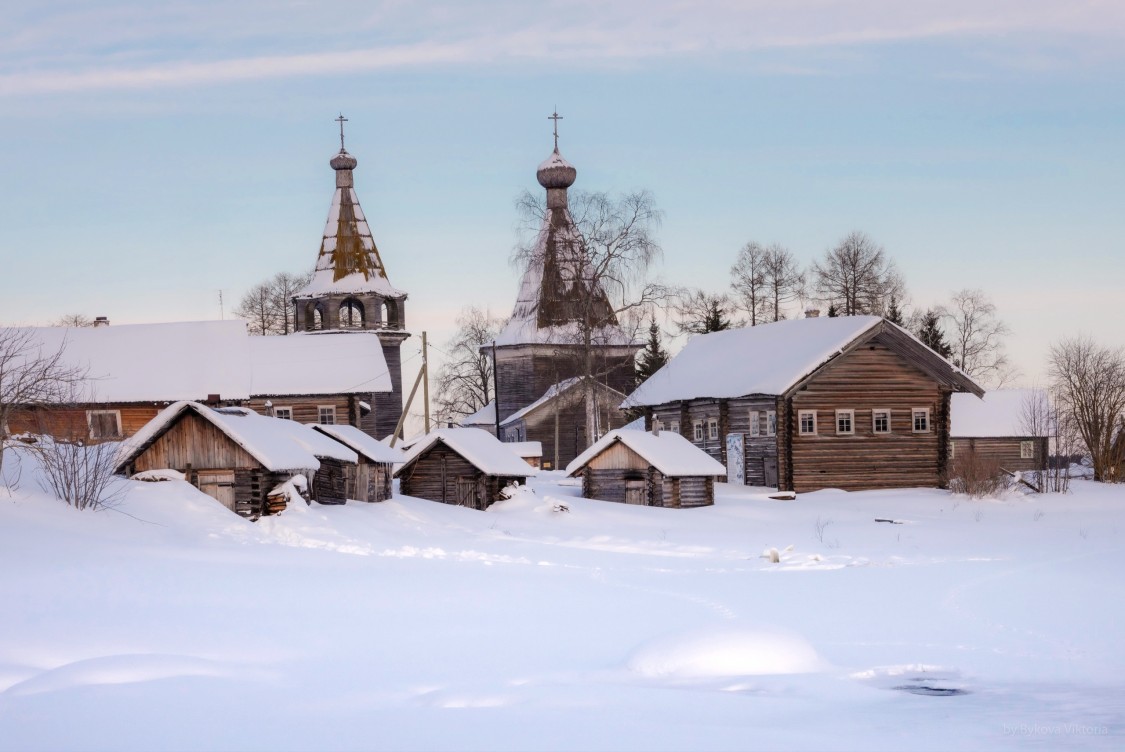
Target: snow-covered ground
[[170, 623]]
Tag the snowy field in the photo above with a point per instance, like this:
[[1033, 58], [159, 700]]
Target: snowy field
[[170, 623]]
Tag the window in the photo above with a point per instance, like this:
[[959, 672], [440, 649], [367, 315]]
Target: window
[[698, 430], [104, 424], [880, 421], [952, 449], [771, 423], [845, 421], [285, 413], [921, 419], [1027, 450], [674, 426], [351, 315], [713, 429], [807, 419], [755, 423], [326, 415]]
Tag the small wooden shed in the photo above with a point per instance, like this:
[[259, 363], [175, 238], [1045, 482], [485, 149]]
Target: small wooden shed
[[462, 466], [370, 479], [237, 456], [994, 429], [658, 469]]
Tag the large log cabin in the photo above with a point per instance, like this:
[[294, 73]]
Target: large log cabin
[[657, 469], [136, 370], [842, 402]]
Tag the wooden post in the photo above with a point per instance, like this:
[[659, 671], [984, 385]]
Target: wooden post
[[405, 410], [426, 380], [496, 390]]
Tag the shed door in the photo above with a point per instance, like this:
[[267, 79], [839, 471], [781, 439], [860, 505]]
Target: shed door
[[219, 485], [736, 459], [635, 492], [467, 492], [769, 468]]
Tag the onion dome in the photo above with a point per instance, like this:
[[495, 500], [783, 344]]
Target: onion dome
[[556, 172], [343, 161]]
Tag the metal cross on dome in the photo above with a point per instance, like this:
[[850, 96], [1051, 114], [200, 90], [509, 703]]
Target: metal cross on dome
[[556, 117], [341, 120]]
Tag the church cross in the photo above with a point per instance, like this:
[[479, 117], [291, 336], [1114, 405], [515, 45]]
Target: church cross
[[556, 117], [341, 120]]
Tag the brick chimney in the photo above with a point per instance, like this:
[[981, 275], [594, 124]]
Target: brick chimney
[[812, 313], [101, 321]]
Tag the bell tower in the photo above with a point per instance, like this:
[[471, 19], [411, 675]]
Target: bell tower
[[350, 291]]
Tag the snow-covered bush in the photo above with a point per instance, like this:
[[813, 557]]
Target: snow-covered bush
[[977, 476], [81, 475]]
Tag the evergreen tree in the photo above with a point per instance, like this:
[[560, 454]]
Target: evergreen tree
[[832, 312], [931, 334], [894, 313], [653, 357]]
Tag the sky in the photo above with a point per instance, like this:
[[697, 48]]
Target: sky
[[153, 154]]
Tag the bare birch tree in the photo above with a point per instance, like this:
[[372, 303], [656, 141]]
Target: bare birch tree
[[699, 312], [978, 338], [268, 306], [857, 277], [256, 306], [464, 381], [615, 250], [748, 280], [783, 280], [1089, 384], [32, 377]]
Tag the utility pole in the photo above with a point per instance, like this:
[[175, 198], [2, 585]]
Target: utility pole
[[426, 381], [496, 390], [221, 316]]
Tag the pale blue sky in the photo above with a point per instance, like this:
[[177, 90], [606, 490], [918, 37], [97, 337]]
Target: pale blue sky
[[151, 154]]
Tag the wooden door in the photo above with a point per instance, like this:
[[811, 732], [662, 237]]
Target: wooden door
[[467, 492], [219, 485], [769, 468], [635, 492]]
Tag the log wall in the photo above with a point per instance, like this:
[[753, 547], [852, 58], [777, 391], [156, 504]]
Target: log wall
[[435, 475], [1005, 451]]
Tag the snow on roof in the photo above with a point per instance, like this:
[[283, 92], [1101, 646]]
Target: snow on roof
[[764, 359], [190, 360], [552, 391], [280, 445], [526, 448], [999, 414], [156, 362], [486, 416], [357, 440], [668, 452], [322, 363], [478, 447]]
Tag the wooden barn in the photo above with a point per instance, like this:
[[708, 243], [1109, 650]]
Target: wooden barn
[[657, 469], [851, 402], [557, 420], [462, 466], [530, 451], [371, 479], [238, 457], [994, 429], [136, 370]]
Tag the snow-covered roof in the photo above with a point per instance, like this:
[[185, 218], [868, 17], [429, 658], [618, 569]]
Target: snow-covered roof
[[486, 416], [321, 363], [358, 441], [190, 360], [999, 414], [280, 445], [668, 452], [526, 448], [556, 390], [478, 447], [770, 359]]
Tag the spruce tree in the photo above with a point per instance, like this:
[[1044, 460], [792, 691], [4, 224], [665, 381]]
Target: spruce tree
[[832, 312], [931, 334], [894, 314], [653, 357]]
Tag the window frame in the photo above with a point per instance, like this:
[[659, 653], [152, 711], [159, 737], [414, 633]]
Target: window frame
[[771, 422], [874, 424], [801, 414], [755, 423], [283, 408], [1028, 445], [914, 419], [697, 430], [674, 426], [712, 429], [849, 413], [320, 415], [119, 434]]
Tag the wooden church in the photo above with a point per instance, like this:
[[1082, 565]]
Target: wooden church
[[350, 290], [541, 345]]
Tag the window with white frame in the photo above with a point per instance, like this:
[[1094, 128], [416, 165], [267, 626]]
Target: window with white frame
[[880, 421], [807, 421], [920, 419], [104, 424], [674, 426], [1027, 450], [952, 449], [755, 423], [771, 422], [712, 429], [326, 415], [285, 413], [698, 425], [845, 422]]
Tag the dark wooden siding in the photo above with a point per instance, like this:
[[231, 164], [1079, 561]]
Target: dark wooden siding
[[69, 422], [195, 442], [606, 475], [441, 474], [758, 449], [330, 482], [870, 377], [1005, 451]]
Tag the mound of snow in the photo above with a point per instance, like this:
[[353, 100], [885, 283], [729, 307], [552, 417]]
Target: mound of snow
[[723, 652]]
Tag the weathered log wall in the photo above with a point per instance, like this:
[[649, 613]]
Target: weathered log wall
[[1005, 451]]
